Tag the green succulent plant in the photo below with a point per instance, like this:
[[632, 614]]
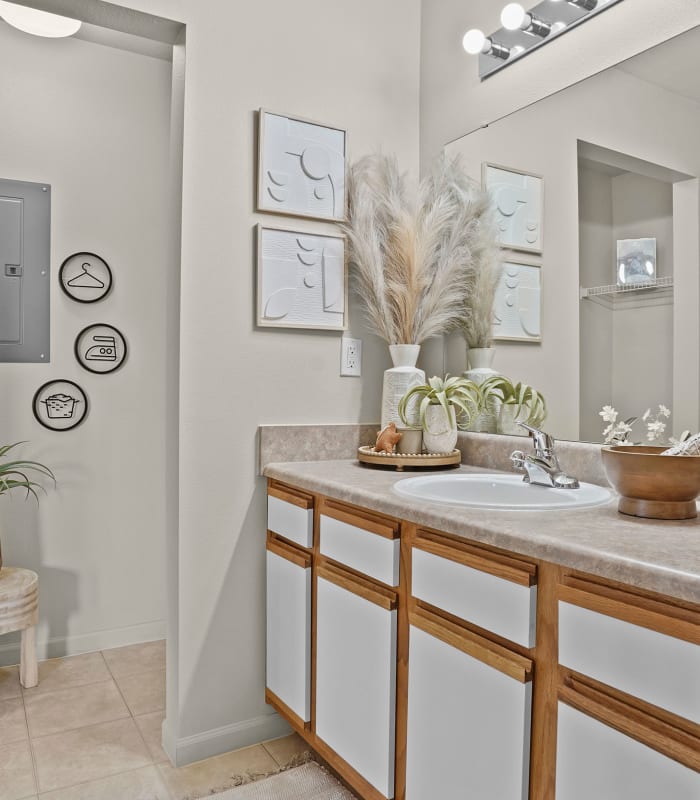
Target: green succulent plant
[[451, 392], [526, 399], [15, 474]]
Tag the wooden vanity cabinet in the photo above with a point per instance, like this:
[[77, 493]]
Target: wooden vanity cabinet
[[422, 665]]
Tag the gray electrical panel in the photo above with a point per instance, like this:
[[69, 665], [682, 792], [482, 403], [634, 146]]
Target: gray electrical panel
[[25, 244]]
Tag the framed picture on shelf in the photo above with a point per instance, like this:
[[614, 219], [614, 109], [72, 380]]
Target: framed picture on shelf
[[636, 261], [301, 167], [519, 201], [302, 280], [517, 309]]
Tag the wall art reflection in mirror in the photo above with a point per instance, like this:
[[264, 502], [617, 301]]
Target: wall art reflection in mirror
[[518, 200], [517, 309]]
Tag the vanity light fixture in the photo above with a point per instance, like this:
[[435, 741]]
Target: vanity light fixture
[[525, 30], [38, 23]]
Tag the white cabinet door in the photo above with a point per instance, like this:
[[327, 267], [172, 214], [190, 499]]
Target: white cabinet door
[[596, 761], [356, 681], [289, 628], [468, 726]]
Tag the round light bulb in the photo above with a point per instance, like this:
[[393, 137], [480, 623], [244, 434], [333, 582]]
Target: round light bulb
[[39, 23], [558, 26], [513, 16], [474, 41]]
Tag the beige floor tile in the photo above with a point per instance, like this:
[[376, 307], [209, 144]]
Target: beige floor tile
[[88, 754], [67, 709], [65, 673], [136, 658], [143, 784], [9, 683], [16, 773], [144, 692], [216, 774], [287, 749], [13, 725], [151, 727]]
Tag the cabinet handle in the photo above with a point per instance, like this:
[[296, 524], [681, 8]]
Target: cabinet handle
[[362, 587], [664, 732], [296, 555], [500, 565], [490, 653], [361, 519], [290, 495], [679, 621]]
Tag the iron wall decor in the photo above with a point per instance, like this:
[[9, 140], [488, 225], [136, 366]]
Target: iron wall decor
[[100, 348], [60, 405], [85, 277]]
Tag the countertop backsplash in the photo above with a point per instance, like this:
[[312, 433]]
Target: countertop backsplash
[[287, 443]]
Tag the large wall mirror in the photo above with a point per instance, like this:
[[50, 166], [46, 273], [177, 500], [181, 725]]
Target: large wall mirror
[[619, 155]]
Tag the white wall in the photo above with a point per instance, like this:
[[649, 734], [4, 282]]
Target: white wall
[[454, 101], [352, 65], [71, 117], [542, 139]]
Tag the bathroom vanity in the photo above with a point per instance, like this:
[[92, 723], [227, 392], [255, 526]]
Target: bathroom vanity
[[427, 651]]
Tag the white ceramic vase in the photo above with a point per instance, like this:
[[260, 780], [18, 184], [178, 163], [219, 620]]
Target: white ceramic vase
[[404, 375], [508, 420], [480, 361], [439, 430]]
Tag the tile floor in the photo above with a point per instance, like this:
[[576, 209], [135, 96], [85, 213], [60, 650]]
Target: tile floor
[[91, 731]]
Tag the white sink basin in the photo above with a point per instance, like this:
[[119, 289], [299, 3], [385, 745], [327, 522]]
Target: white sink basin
[[499, 491]]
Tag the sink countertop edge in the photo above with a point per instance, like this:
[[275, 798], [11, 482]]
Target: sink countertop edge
[[655, 555]]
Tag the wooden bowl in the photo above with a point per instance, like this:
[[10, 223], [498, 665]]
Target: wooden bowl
[[651, 485]]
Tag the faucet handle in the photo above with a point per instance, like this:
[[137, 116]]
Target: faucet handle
[[542, 442]]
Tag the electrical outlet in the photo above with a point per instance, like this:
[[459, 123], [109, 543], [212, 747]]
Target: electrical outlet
[[350, 357]]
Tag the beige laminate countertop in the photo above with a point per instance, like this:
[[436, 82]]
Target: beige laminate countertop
[[659, 556]]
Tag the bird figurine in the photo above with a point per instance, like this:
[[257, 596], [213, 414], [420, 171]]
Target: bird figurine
[[387, 439]]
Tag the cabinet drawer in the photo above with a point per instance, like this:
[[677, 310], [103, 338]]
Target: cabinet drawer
[[362, 541], [497, 593], [610, 635], [290, 514]]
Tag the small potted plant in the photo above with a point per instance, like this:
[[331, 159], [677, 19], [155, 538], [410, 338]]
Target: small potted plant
[[512, 403], [14, 475], [444, 406]]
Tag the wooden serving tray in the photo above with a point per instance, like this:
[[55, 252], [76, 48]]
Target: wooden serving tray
[[368, 455]]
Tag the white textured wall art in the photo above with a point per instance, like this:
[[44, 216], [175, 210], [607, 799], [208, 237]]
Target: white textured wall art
[[302, 280], [517, 309], [301, 168], [518, 198]]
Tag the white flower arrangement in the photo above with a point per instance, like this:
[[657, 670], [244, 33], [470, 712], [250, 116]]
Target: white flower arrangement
[[618, 432]]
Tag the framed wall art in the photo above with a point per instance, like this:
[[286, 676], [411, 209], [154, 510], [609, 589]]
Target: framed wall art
[[519, 201], [517, 309], [302, 280], [60, 405], [301, 167], [85, 277]]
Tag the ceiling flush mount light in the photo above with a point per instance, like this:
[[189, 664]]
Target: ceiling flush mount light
[[39, 23], [525, 30]]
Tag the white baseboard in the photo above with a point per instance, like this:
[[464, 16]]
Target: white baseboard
[[86, 642], [222, 740]]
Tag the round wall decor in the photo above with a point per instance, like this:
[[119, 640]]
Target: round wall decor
[[85, 277], [60, 405], [100, 348]]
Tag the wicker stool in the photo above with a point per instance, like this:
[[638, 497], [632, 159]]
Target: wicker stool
[[19, 611]]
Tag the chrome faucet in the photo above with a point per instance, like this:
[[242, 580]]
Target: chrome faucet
[[542, 468]]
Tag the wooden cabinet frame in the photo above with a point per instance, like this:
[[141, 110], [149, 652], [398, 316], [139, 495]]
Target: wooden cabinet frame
[[677, 738]]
